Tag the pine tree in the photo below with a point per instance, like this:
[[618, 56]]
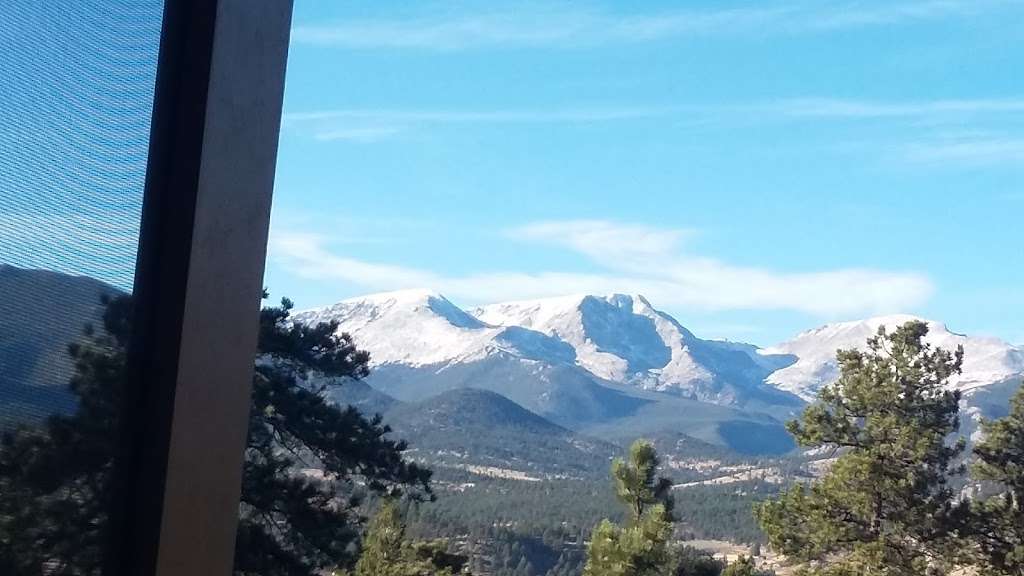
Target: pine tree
[[55, 478], [640, 547], [384, 545], [636, 483], [386, 552], [743, 566], [884, 506], [689, 561], [997, 524], [292, 522]]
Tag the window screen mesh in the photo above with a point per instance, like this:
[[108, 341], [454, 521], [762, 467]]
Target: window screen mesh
[[76, 90]]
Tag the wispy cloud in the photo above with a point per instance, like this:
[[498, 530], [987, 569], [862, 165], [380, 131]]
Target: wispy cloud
[[531, 28], [580, 113], [576, 26], [363, 134], [368, 125], [805, 108], [969, 151], [573, 114], [924, 133], [631, 258], [848, 108], [854, 14], [603, 239], [371, 125]]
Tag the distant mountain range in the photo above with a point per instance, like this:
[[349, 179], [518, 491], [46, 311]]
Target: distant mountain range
[[480, 430], [422, 345], [483, 433], [41, 314], [987, 361], [615, 367], [992, 368], [624, 339], [585, 372], [519, 407]]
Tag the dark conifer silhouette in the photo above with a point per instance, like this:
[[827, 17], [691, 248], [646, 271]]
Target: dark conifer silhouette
[[995, 529], [303, 462]]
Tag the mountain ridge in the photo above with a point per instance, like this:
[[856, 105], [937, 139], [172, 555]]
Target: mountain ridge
[[986, 360], [623, 338], [41, 314], [421, 345], [613, 363]]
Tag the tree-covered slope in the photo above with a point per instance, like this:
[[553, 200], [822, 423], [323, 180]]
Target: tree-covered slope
[[482, 431], [41, 314]]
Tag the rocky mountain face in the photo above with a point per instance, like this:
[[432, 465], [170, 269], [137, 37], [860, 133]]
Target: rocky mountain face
[[992, 368], [605, 364], [987, 361], [624, 339], [421, 344], [616, 366], [615, 339]]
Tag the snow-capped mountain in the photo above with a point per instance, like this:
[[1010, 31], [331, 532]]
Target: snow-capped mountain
[[624, 339], [422, 328], [615, 362], [421, 344], [987, 361], [581, 362], [616, 338]]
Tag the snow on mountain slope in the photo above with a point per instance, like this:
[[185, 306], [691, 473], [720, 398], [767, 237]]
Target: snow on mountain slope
[[986, 360], [549, 354], [615, 365], [421, 328], [611, 340], [421, 345], [624, 339]]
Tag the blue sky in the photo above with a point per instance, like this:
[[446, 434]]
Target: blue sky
[[76, 95], [754, 168]]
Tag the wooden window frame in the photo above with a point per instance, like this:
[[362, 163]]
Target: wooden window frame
[[205, 220]]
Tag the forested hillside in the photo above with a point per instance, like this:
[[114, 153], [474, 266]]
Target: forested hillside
[[41, 314]]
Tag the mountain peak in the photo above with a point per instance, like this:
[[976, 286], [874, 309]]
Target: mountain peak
[[477, 407], [867, 326], [631, 302], [542, 311], [405, 296], [890, 321], [622, 338], [414, 327], [986, 360]]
